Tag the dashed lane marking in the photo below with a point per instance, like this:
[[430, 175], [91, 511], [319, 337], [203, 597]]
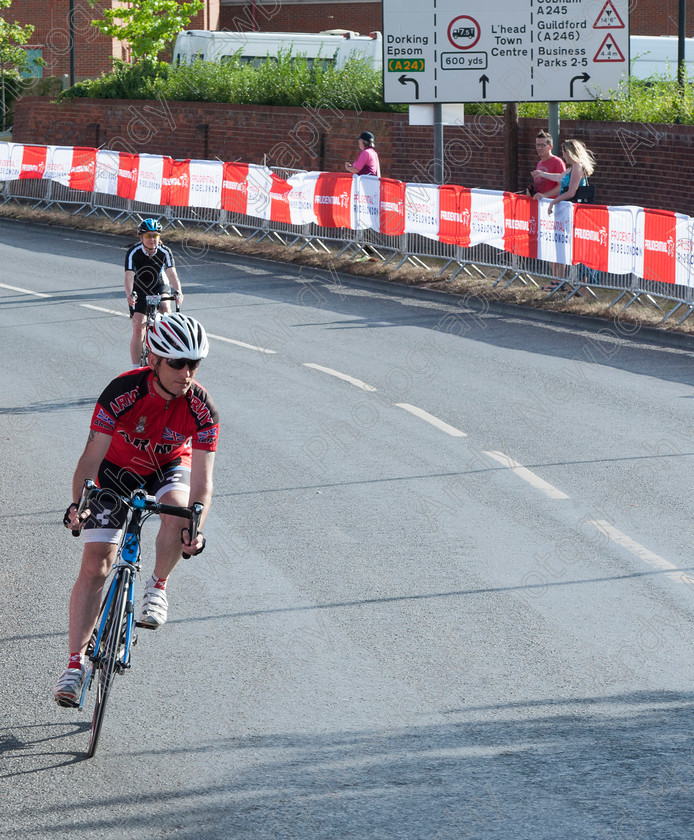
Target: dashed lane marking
[[344, 376], [527, 475], [24, 291], [424, 415], [640, 551], [103, 309], [241, 344]]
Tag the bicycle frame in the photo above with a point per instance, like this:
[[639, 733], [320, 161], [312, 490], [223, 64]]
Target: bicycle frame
[[127, 565], [109, 648]]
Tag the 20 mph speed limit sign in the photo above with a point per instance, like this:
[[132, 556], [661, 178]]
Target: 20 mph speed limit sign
[[507, 51]]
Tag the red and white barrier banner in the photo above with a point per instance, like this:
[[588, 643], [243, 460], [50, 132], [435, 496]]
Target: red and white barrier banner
[[454, 215], [377, 203], [367, 202], [150, 178], [117, 173], [280, 208], [422, 209], [487, 218], [246, 189], [31, 160], [554, 240], [332, 198], [193, 183], [664, 257], [72, 166], [520, 225], [9, 164], [391, 213], [656, 245]]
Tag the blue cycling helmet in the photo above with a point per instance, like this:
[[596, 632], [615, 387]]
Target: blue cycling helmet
[[149, 226]]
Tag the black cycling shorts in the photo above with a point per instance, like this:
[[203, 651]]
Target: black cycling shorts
[[108, 513], [141, 302]]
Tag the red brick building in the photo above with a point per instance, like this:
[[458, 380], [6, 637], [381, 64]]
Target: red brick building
[[648, 17], [93, 51]]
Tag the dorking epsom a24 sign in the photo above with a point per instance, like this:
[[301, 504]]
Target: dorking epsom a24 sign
[[507, 51]]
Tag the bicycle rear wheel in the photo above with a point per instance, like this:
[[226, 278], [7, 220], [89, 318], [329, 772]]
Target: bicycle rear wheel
[[106, 658]]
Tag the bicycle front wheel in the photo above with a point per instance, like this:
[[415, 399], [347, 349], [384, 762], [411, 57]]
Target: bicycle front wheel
[[106, 658]]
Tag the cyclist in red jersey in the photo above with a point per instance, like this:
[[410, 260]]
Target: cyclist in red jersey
[[156, 428]]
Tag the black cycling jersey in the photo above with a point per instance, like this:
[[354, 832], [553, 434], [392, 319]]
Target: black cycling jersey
[[149, 271]]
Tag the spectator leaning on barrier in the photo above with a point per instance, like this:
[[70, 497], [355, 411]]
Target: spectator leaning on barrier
[[366, 162], [581, 165], [541, 186]]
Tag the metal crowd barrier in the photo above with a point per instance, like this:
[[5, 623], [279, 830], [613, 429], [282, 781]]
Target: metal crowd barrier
[[396, 251]]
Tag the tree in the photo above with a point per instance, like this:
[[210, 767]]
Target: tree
[[12, 55], [147, 26]]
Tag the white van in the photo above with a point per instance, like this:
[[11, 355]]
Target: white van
[[255, 47], [657, 55]]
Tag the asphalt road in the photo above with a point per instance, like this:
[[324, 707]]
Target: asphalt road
[[448, 590]]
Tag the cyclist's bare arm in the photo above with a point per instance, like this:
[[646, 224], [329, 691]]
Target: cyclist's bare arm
[[175, 283], [202, 464], [129, 284], [87, 467]]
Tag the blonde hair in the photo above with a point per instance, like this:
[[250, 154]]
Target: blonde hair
[[578, 152]]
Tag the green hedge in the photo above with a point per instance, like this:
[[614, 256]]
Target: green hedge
[[293, 81]]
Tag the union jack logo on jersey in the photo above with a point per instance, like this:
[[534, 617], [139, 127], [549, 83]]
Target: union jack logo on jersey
[[104, 420], [172, 437], [207, 435]]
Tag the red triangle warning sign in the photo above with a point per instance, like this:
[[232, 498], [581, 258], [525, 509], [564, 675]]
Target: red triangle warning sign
[[609, 51], [609, 18]]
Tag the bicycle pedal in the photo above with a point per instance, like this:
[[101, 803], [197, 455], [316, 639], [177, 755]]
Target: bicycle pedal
[[146, 626]]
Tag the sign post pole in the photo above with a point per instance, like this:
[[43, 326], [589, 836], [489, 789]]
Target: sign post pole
[[438, 144]]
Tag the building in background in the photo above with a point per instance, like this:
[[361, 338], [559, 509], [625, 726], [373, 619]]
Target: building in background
[[93, 51], [648, 17]]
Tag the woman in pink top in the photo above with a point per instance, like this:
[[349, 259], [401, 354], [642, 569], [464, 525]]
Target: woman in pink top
[[367, 159]]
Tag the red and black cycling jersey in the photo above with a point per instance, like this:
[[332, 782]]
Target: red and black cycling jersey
[[149, 431], [149, 278]]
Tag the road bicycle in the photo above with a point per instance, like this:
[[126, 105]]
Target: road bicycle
[[108, 651], [151, 314]]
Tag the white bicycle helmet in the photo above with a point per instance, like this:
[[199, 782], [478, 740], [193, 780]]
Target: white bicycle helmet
[[177, 336]]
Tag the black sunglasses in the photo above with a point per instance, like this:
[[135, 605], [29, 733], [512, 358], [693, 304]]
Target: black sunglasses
[[179, 364]]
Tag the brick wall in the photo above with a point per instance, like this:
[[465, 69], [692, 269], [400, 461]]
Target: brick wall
[[659, 17], [645, 165], [648, 17], [301, 17]]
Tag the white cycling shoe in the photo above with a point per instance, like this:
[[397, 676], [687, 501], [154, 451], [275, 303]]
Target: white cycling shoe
[[154, 608], [68, 690]]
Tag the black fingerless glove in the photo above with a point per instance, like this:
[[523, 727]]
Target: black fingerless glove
[[66, 518], [192, 553]]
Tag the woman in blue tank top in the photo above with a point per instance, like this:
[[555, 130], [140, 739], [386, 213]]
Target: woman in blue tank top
[[581, 165]]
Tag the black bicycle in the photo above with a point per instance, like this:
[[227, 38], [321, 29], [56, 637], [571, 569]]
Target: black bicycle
[[151, 313], [108, 652]]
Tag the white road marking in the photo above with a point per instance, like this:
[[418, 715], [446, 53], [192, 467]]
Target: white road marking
[[241, 344], [209, 335], [23, 291], [424, 415], [102, 309], [527, 475], [638, 550], [356, 382]]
